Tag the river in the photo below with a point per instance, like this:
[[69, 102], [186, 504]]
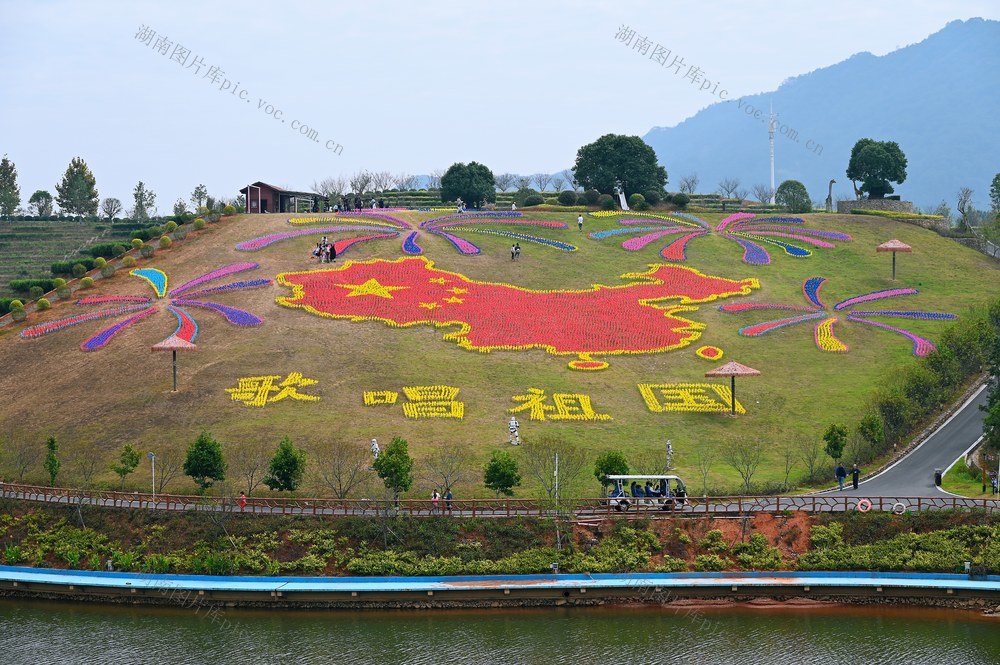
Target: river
[[47, 632]]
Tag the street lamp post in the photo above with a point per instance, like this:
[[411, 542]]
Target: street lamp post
[[152, 458]]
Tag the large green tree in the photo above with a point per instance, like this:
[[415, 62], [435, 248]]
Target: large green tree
[[204, 462], [792, 196], [145, 202], [501, 473], [610, 463], [395, 467], [835, 439], [876, 164], [52, 463], [288, 466], [10, 193], [41, 203], [76, 193], [615, 157], [995, 194], [472, 182]]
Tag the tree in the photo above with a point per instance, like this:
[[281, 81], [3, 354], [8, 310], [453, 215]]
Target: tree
[[41, 203], [20, 452], [473, 183], [542, 180], [168, 465], [83, 460], [762, 193], [10, 193], [110, 208], [557, 184], [835, 439], [728, 187], [395, 467], [792, 196], [52, 462], [610, 463], [788, 456], [145, 202], [876, 164], [331, 187], [76, 193], [501, 474], [403, 181], [615, 157], [743, 454], [343, 466], [991, 426], [434, 179], [810, 452], [127, 462], [539, 457], [964, 207], [447, 464], [380, 180], [288, 466], [360, 182], [689, 183], [523, 182], [505, 181], [180, 208], [198, 197], [995, 194], [249, 462], [871, 430], [703, 459], [204, 462]]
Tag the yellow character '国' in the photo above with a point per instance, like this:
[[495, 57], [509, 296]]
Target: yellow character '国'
[[696, 397]]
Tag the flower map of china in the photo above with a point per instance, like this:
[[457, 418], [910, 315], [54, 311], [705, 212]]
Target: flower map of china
[[601, 320]]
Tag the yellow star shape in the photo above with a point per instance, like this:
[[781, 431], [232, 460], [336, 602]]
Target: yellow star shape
[[457, 290], [437, 280], [453, 299], [371, 288], [430, 305]]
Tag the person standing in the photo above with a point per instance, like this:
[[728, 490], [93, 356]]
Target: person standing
[[512, 252], [447, 500], [243, 501], [435, 497], [513, 206], [855, 476], [841, 475], [375, 450], [579, 221], [515, 436], [517, 250]]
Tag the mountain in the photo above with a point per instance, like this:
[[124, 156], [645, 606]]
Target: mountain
[[938, 99]]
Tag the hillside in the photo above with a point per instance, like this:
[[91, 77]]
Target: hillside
[[935, 98], [94, 402]]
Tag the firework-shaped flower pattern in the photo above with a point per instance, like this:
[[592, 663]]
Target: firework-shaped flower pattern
[[140, 307], [823, 330]]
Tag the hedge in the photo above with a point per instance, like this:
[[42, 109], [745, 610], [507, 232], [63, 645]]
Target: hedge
[[66, 267], [24, 285]]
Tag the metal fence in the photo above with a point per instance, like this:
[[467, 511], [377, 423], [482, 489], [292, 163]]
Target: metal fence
[[501, 507]]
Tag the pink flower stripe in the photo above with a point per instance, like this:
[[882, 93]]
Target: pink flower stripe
[[921, 346], [812, 241], [52, 326], [106, 335], [245, 284], [735, 217], [264, 241], [99, 300], [766, 327], [876, 295], [461, 244], [215, 274], [635, 244]]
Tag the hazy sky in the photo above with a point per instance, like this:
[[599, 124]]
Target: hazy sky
[[399, 86]]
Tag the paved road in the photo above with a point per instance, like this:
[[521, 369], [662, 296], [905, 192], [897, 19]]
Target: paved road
[[913, 475]]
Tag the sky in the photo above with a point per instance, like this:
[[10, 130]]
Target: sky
[[180, 93]]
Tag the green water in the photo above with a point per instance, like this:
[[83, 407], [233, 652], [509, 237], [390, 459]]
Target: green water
[[40, 632]]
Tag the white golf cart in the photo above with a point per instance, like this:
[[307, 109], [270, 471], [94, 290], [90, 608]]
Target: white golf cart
[[646, 492]]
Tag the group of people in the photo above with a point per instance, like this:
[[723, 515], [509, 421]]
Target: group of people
[[649, 491], [347, 204], [842, 476], [436, 501], [325, 251]]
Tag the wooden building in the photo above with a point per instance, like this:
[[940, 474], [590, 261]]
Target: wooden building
[[262, 197]]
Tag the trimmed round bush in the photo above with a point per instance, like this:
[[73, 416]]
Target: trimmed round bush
[[165, 242], [100, 262], [79, 270], [58, 283], [87, 283], [199, 224], [229, 210], [636, 200], [147, 250], [180, 234], [170, 227], [534, 200], [16, 304], [652, 197], [119, 249], [43, 304], [592, 196], [607, 202], [36, 292], [108, 270], [681, 199], [136, 243], [567, 198], [128, 262]]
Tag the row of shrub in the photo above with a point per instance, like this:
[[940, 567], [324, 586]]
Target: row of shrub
[[895, 215]]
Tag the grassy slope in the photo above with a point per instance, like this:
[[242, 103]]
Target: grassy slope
[[98, 401]]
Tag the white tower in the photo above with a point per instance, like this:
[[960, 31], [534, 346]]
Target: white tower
[[772, 123]]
